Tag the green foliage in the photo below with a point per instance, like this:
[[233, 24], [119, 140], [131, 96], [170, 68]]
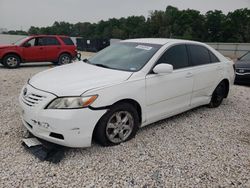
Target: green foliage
[[214, 26]]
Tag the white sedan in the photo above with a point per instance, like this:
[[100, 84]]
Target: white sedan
[[124, 87]]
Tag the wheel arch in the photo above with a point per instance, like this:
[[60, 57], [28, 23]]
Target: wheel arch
[[14, 53], [64, 52], [133, 102], [226, 81]]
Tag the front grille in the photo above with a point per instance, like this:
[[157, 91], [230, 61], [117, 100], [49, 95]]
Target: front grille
[[33, 99]]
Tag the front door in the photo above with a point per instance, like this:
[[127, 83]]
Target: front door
[[170, 94], [35, 50]]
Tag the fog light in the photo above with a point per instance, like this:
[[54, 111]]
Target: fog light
[[41, 124]]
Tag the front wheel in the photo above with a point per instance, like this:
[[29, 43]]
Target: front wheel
[[11, 61], [118, 125], [218, 95]]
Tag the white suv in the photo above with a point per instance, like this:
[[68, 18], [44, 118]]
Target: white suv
[[125, 86]]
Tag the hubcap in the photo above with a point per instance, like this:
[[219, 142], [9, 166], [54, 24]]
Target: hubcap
[[65, 60], [12, 61], [120, 126]]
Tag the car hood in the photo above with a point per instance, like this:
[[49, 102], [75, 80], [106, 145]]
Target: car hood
[[76, 78], [6, 46], [242, 64]]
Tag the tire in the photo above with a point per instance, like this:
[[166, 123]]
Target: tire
[[64, 59], [11, 61], [111, 130], [218, 95]]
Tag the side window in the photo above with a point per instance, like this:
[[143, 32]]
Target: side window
[[67, 41], [50, 41], [39, 41], [199, 55], [176, 56], [213, 58], [31, 42]]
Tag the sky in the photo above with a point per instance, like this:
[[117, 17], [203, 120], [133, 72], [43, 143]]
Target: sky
[[21, 14]]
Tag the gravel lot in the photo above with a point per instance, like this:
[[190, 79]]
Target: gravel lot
[[200, 148]]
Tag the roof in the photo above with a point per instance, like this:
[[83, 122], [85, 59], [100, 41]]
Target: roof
[[160, 41], [48, 36]]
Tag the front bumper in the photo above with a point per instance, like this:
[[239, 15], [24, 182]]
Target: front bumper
[[71, 128], [242, 78]]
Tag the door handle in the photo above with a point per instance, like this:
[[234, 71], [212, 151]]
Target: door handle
[[189, 75], [41, 48]]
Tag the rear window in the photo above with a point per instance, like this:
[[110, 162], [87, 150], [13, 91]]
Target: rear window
[[67, 41], [213, 58], [50, 41], [199, 55]]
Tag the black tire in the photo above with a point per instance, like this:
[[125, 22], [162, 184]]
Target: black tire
[[218, 95], [11, 61], [64, 59], [101, 130]]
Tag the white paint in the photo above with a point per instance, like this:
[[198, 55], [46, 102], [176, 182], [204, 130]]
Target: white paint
[[159, 95]]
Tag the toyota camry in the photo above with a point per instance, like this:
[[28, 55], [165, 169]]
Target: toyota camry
[[128, 85]]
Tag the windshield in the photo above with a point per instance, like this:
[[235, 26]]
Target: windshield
[[20, 41], [246, 57], [128, 56]]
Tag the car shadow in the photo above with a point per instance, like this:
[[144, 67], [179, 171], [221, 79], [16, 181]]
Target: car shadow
[[31, 65], [242, 84], [96, 148]]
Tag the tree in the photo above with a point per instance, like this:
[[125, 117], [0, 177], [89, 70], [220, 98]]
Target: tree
[[215, 23], [214, 26]]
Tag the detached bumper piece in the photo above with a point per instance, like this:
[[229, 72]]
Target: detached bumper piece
[[45, 151]]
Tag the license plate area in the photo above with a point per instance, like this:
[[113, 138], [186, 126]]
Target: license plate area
[[30, 142]]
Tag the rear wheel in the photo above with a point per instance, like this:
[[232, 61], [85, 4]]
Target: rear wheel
[[118, 125], [11, 61], [64, 59], [218, 95]]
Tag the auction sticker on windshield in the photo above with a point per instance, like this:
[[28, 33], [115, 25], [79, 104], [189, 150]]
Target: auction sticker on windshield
[[143, 47]]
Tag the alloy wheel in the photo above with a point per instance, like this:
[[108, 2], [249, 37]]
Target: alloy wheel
[[119, 127]]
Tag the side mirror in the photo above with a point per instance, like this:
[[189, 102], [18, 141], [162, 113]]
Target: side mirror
[[26, 45], [163, 68]]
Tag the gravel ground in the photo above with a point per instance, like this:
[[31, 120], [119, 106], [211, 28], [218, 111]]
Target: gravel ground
[[199, 148]]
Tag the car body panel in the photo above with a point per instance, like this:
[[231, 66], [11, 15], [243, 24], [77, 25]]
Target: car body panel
[[77, 78]]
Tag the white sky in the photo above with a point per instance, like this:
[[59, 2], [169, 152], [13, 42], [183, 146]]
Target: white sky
[[21, 14]]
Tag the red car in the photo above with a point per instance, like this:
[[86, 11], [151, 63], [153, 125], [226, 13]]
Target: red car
[[39, 48]]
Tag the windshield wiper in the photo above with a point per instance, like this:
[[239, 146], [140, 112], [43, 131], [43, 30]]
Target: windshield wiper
[[101, 65], [86, 61]]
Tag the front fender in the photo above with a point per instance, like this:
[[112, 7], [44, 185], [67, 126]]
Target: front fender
[[132, 89]]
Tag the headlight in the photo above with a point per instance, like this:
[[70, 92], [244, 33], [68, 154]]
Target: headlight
[[71, 102]]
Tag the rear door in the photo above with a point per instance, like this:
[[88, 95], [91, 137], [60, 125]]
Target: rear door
[[53, 48], [207, 71]]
